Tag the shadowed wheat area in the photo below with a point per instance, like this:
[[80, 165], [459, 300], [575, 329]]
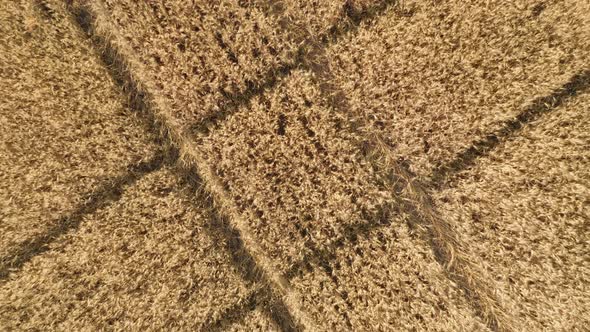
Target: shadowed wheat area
[[232, 165]]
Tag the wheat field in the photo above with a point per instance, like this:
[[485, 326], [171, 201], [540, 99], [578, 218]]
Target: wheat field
[[249, 165]]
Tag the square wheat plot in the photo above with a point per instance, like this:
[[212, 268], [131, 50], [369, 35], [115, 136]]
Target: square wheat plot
[[65, 131], [171, 51], [432, 77], [303, 185], [288, 167], [525, 211], [147, 262]]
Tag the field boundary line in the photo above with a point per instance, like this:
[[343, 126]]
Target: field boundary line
[[220, 229], [448, 250], [108, 192], [128, 74], [104, 195], [414, 199], [349, 22], [579, 82]]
